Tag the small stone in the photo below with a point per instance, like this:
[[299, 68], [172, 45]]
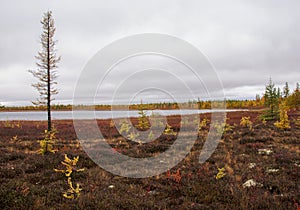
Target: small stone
[[111, 186], [252, 165], [272, 170], [265, 151], [251, 183], [153, 192]]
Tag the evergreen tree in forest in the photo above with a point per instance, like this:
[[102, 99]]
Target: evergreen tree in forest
[[271, 97], [286, 90], [293, 100], [279, 95]]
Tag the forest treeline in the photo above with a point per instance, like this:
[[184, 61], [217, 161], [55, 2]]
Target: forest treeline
[[275, 94]]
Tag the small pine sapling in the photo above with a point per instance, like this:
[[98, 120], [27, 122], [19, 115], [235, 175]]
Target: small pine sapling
[[203, 123], [283, 122], [72, 192], [221, 173], [223, 128], [18, 124], [169, 130], [245, 122], [143, 122], [70, 165], [14, 138], [125, 127], [9, 124], [46, 144], [133, 136]]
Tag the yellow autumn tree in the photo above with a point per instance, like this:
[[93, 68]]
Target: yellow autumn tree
[[283, 123]]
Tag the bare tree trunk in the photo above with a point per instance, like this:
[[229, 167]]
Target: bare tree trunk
[[48, 78]]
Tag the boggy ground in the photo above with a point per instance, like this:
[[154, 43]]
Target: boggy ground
[[28, 180]]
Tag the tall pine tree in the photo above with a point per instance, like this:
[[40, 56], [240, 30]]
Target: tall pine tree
[[47, 65]]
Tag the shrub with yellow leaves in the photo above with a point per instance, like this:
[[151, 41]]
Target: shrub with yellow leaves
[[245, 122], [222, 128], [46, 144], [133, 136], [143, 122], [221, 173], [72, 192], [70, 165], [169, 130], [283, 123], [203, 123], [125, 127]]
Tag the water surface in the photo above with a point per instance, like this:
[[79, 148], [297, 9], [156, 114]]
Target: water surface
[[68, 115]]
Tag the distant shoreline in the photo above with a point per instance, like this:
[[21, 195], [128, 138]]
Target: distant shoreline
[[70, 110]]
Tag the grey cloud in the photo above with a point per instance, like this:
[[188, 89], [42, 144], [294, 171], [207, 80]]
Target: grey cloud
[[247, 42]]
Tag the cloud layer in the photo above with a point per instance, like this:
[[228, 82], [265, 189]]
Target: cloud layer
[[247, 42]]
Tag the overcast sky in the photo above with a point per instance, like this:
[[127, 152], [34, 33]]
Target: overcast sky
[[247, 42]]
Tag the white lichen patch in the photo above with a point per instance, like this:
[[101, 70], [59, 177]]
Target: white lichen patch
[[252, 183], [251, 165], [265, 151], [272, 170]]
